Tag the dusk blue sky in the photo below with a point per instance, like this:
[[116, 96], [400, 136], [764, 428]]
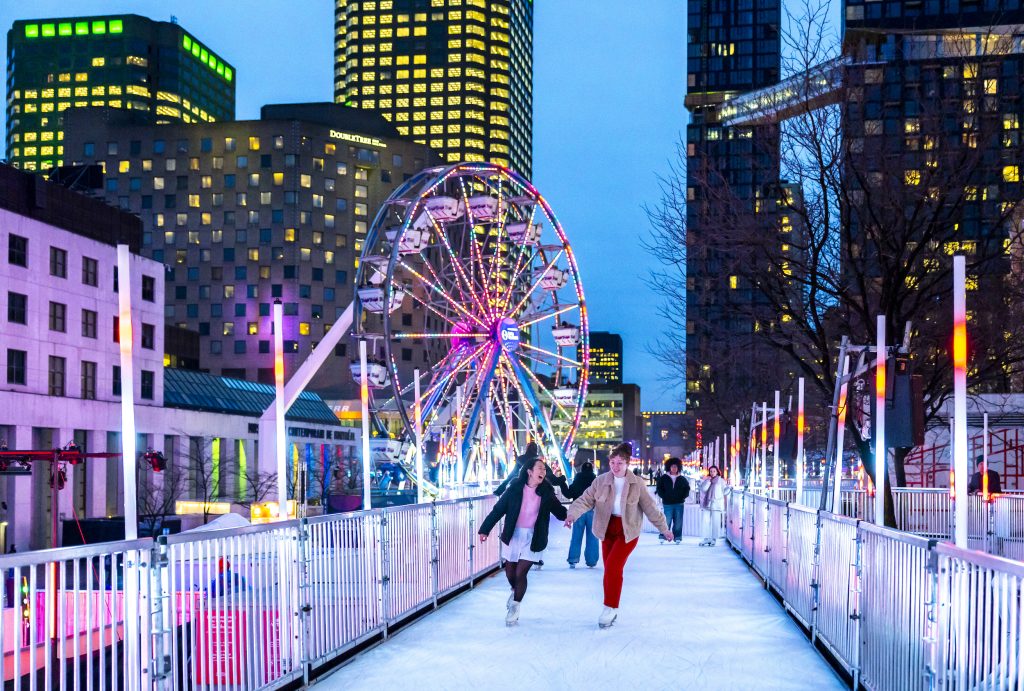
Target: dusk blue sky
[[609, 80]]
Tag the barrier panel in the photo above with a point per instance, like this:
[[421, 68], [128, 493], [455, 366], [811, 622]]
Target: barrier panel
[[759, 537], [978, 643], [800, 556], [251, 608], [837, 612], [778, 518]]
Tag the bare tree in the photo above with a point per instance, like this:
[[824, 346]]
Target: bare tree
[[864, 221]]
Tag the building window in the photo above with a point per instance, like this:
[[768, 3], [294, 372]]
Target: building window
[[58, 314], [56, 381], [148, 288], [116, 379], [89, 319], [17, 308], [58, 262], [90, 272], [17, 250], [89, 380], [148, 337], [147, 385], [16, 366]]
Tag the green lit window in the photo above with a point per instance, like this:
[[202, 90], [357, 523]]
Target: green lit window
[[116, 26], [81, 28], [64, 28], [186, 43], [49, 30], [99, 27], [31, 31]]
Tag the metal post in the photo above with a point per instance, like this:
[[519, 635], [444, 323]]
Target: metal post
[[800, 470], [764, 446], [280, 443], [833, 420], [364, 399], [125, 336], [960, 396], [460, 461], [984, 458], [775, 431], [419, 435], [879, 423], [840, 431]]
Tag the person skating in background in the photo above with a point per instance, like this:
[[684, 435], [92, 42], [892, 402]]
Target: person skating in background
[[619, 500], [975, 485], [582, 528], [526, 506], [712, 503], [526, 459], [673, 489]]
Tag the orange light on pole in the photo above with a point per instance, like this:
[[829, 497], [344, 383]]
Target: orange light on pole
[[775, 438], [879, 422], [800, 470], [764, 445], [960, 394]]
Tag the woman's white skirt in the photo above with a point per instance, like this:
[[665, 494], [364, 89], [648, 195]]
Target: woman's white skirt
[[519, 546]]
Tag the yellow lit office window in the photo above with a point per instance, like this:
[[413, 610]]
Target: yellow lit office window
[[1010, 121], [289, 235], [205, 218], [733, 282], [254, 254], [1011, 173], [124, 166], [912, 177], [278, 179], [81, 91], [305, 181], [82, 77]]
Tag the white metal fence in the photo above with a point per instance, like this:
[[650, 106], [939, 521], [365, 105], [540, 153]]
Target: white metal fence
[[896, 610], [241, 609]]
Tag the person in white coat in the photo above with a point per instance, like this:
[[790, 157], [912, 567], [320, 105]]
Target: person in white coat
[[712, 503]]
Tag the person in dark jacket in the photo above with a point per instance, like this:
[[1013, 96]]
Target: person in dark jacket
[[526, 506], [529, 456], [673, 489], [994, 486], [582, 527]]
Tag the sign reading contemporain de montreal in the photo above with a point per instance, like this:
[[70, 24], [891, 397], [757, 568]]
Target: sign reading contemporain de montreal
[[357, 139]]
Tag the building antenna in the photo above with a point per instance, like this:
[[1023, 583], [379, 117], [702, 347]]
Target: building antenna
[[174, 20]]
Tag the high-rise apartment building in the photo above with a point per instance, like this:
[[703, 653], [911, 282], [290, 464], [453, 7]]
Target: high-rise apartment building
[[734, 47], [455, 75], [244, 213], [605, 358], [156, 70]]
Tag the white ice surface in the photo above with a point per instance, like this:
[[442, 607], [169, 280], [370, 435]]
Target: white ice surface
[[690, 618]]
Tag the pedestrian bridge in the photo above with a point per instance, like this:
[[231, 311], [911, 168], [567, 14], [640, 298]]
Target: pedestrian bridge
[[796, 598], [686, 612]]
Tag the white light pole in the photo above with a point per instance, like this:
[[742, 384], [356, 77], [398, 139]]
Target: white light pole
[[837, 498], [364, 399], [984, 459], [879, 422], [776, 428], [764, 447], [800, 470], [419, 435], [280, 440], [128, 440], [960, 398]]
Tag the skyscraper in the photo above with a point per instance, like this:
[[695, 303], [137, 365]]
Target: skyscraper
[[734, 47], [457, 76], [605, 358], [154, 69]]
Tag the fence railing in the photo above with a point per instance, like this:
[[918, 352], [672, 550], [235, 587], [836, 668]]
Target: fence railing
[[250, 608], [895, 610]]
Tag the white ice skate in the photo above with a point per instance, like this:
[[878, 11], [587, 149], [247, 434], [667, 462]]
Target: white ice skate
[[607, 618], [511, 598], [512, 617]]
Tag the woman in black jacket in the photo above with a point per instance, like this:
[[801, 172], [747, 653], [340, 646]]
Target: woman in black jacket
[[582, 527], [526, 506]]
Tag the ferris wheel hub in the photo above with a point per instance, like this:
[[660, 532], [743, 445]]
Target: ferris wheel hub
[[506, 333]]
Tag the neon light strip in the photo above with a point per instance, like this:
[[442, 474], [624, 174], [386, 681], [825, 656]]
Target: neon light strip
[[440, 335], [441, 291], [574, 363], [556, 313]]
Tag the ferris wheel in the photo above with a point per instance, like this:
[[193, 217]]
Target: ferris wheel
[[467, 280]]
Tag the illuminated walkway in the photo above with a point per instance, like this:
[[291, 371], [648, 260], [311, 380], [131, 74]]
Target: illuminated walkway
[[691, 618]]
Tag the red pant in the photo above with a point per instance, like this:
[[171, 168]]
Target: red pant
[[614, 551]]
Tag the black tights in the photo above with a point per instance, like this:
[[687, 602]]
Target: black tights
[[515, 572]]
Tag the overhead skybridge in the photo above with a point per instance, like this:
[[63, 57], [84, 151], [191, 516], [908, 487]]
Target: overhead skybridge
[[814, 88]]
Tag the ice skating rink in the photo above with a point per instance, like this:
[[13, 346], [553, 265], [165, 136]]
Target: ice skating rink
[[691, 618]]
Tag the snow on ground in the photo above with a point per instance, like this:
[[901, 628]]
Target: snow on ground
[[691, 618]]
